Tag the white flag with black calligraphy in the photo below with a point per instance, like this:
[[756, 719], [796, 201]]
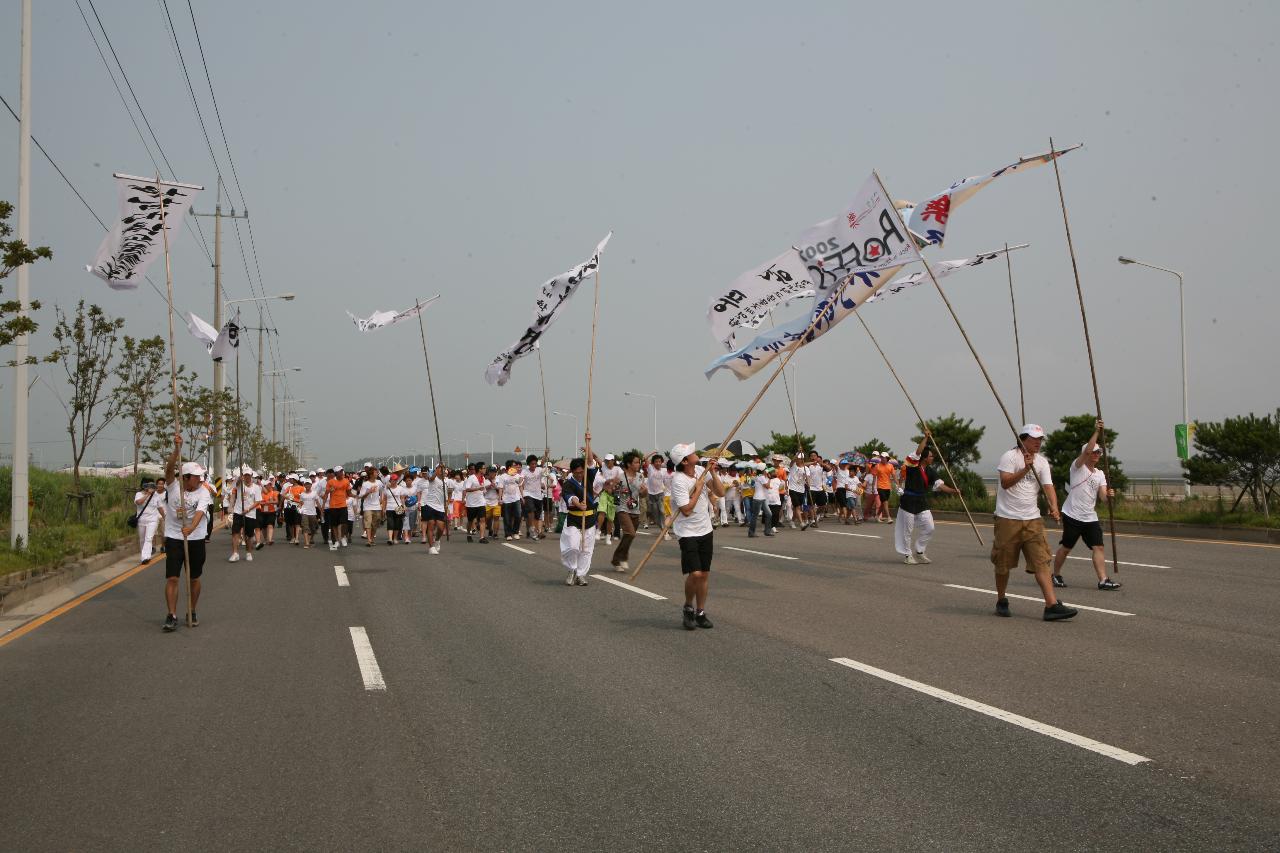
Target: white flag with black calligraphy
[[928, 220], [754, 294], [135, 240], [228, 340], [378, 319], [202, 331], [867, 247], [941, 269], [552, 296]]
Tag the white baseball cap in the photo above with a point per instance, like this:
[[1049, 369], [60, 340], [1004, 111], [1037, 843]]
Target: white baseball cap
[[680, 451], [913, 457], [337, 468], [192, 468], [609, 457], [1097, 448], [724, 463], [1032, 431], [368, 465]]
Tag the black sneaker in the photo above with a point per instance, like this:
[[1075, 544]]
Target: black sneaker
[[690, 622], [170, 623], [1059, 611], [701, 619], [195, 620], [484, 540], [258, 547], [469, 539], [1108, 583], [1059, 582], [1002, 607]]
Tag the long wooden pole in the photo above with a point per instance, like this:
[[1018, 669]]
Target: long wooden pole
[[173, 391], [791, 403], [782, 363], [1017, 342], [1093, 373], [422, 330], [546, 424], [924, 426], [591, 369]]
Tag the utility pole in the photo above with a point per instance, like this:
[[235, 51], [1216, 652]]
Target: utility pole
[[219, 378], [19, 514], [260, 329]]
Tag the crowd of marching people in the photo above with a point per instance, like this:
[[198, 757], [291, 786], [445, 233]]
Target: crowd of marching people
[[583, 500]]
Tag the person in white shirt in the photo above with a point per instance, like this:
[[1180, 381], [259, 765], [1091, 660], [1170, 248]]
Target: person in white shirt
[[758, 503], [533, 479], [655, 488], [188, 503], [773, 502], [816, 482], [393, 495], [431, 489], [149, 514], [578, 537], [1080, 512], [510, 487], [1019, 529], [691, 507], [309, 508], [246, 495], [797, 483], [473, 496], [371, 503], [630, 500]]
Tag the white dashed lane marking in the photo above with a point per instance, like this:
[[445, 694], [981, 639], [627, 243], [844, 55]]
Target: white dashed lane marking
[[628, 586], [369, 671], [999, 713], [341, 573], [1040, 600], [517, 548], [761, 553]]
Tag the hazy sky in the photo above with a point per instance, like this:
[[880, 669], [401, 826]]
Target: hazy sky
[[396, 150]]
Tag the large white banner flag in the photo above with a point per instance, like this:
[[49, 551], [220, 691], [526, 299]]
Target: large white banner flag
[[202, 331], [552, 296], [865, 241], [135, 239], [378, 319], [867, 246], [228, 340], [754, 294], [928, 220], [942, 269]]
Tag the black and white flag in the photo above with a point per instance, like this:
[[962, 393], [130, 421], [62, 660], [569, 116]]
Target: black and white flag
[[136, 239], [552, 296], [228, 340]]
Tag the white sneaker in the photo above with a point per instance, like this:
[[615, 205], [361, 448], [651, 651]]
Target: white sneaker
[[434, 549], [568, 581], [234, 558], [249, 556], [333, 546], [345, 543], [668, 537], [921, 558], [911, 560], [517, 536], [608, 540]]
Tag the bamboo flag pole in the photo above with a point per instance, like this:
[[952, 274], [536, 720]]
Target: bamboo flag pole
[[422, 330], [924, 426], [173, 390], [791, 403], [1093, 373], [591, 369], [546, 424], [1017, 343], [782, 363]]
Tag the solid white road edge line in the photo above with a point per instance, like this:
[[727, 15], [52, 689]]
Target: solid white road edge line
[[1000, 714], [643, 592], [341, 573], [761, 553], [842, 533], [369, 670], [1041, 600], [517, 548], [1123, 563]]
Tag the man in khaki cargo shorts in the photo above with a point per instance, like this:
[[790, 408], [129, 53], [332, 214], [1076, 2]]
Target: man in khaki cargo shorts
[[1023, 472]]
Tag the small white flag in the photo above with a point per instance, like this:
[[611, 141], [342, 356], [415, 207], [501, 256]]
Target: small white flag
[[202, 331], [378, 319], [135, 240], [942, 269], [228, 340], [552, 296]]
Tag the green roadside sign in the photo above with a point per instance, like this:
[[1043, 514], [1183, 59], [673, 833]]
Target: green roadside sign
[[1182, 435]]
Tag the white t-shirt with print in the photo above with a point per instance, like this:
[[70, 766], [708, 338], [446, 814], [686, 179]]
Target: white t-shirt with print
[[774, 489], [509, 484], [474, 499], [532, 479], [246, 498], [430, 492], [1082, 492], [1019, 502], [370, 496], [698, 522], [193, 502]]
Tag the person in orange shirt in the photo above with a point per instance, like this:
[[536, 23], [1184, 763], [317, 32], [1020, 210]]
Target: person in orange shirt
[[884, 472], [336, 492], [267, 510]]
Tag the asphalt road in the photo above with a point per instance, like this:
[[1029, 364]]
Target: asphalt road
[[521, 714]]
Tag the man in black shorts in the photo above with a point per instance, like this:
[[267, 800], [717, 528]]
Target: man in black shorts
[[188, 503], [692, 526], [1080, 513]]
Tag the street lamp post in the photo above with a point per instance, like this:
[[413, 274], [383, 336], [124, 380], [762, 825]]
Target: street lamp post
[[654, 398], [274, 374], [574, 443], [490, 435], [1182, 322]]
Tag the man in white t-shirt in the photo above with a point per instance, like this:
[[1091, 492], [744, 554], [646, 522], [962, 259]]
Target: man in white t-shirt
[[430, 489], [655, 488], [371, 501], [692, 526], [1019, 529], [533, 478], [187, 504], [473, 496], [245, 497], [1080, 512], [309, 508], [511, 493]]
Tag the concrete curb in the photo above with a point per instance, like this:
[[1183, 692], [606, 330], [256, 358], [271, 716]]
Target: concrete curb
[[1255, 535], [24, 591]]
